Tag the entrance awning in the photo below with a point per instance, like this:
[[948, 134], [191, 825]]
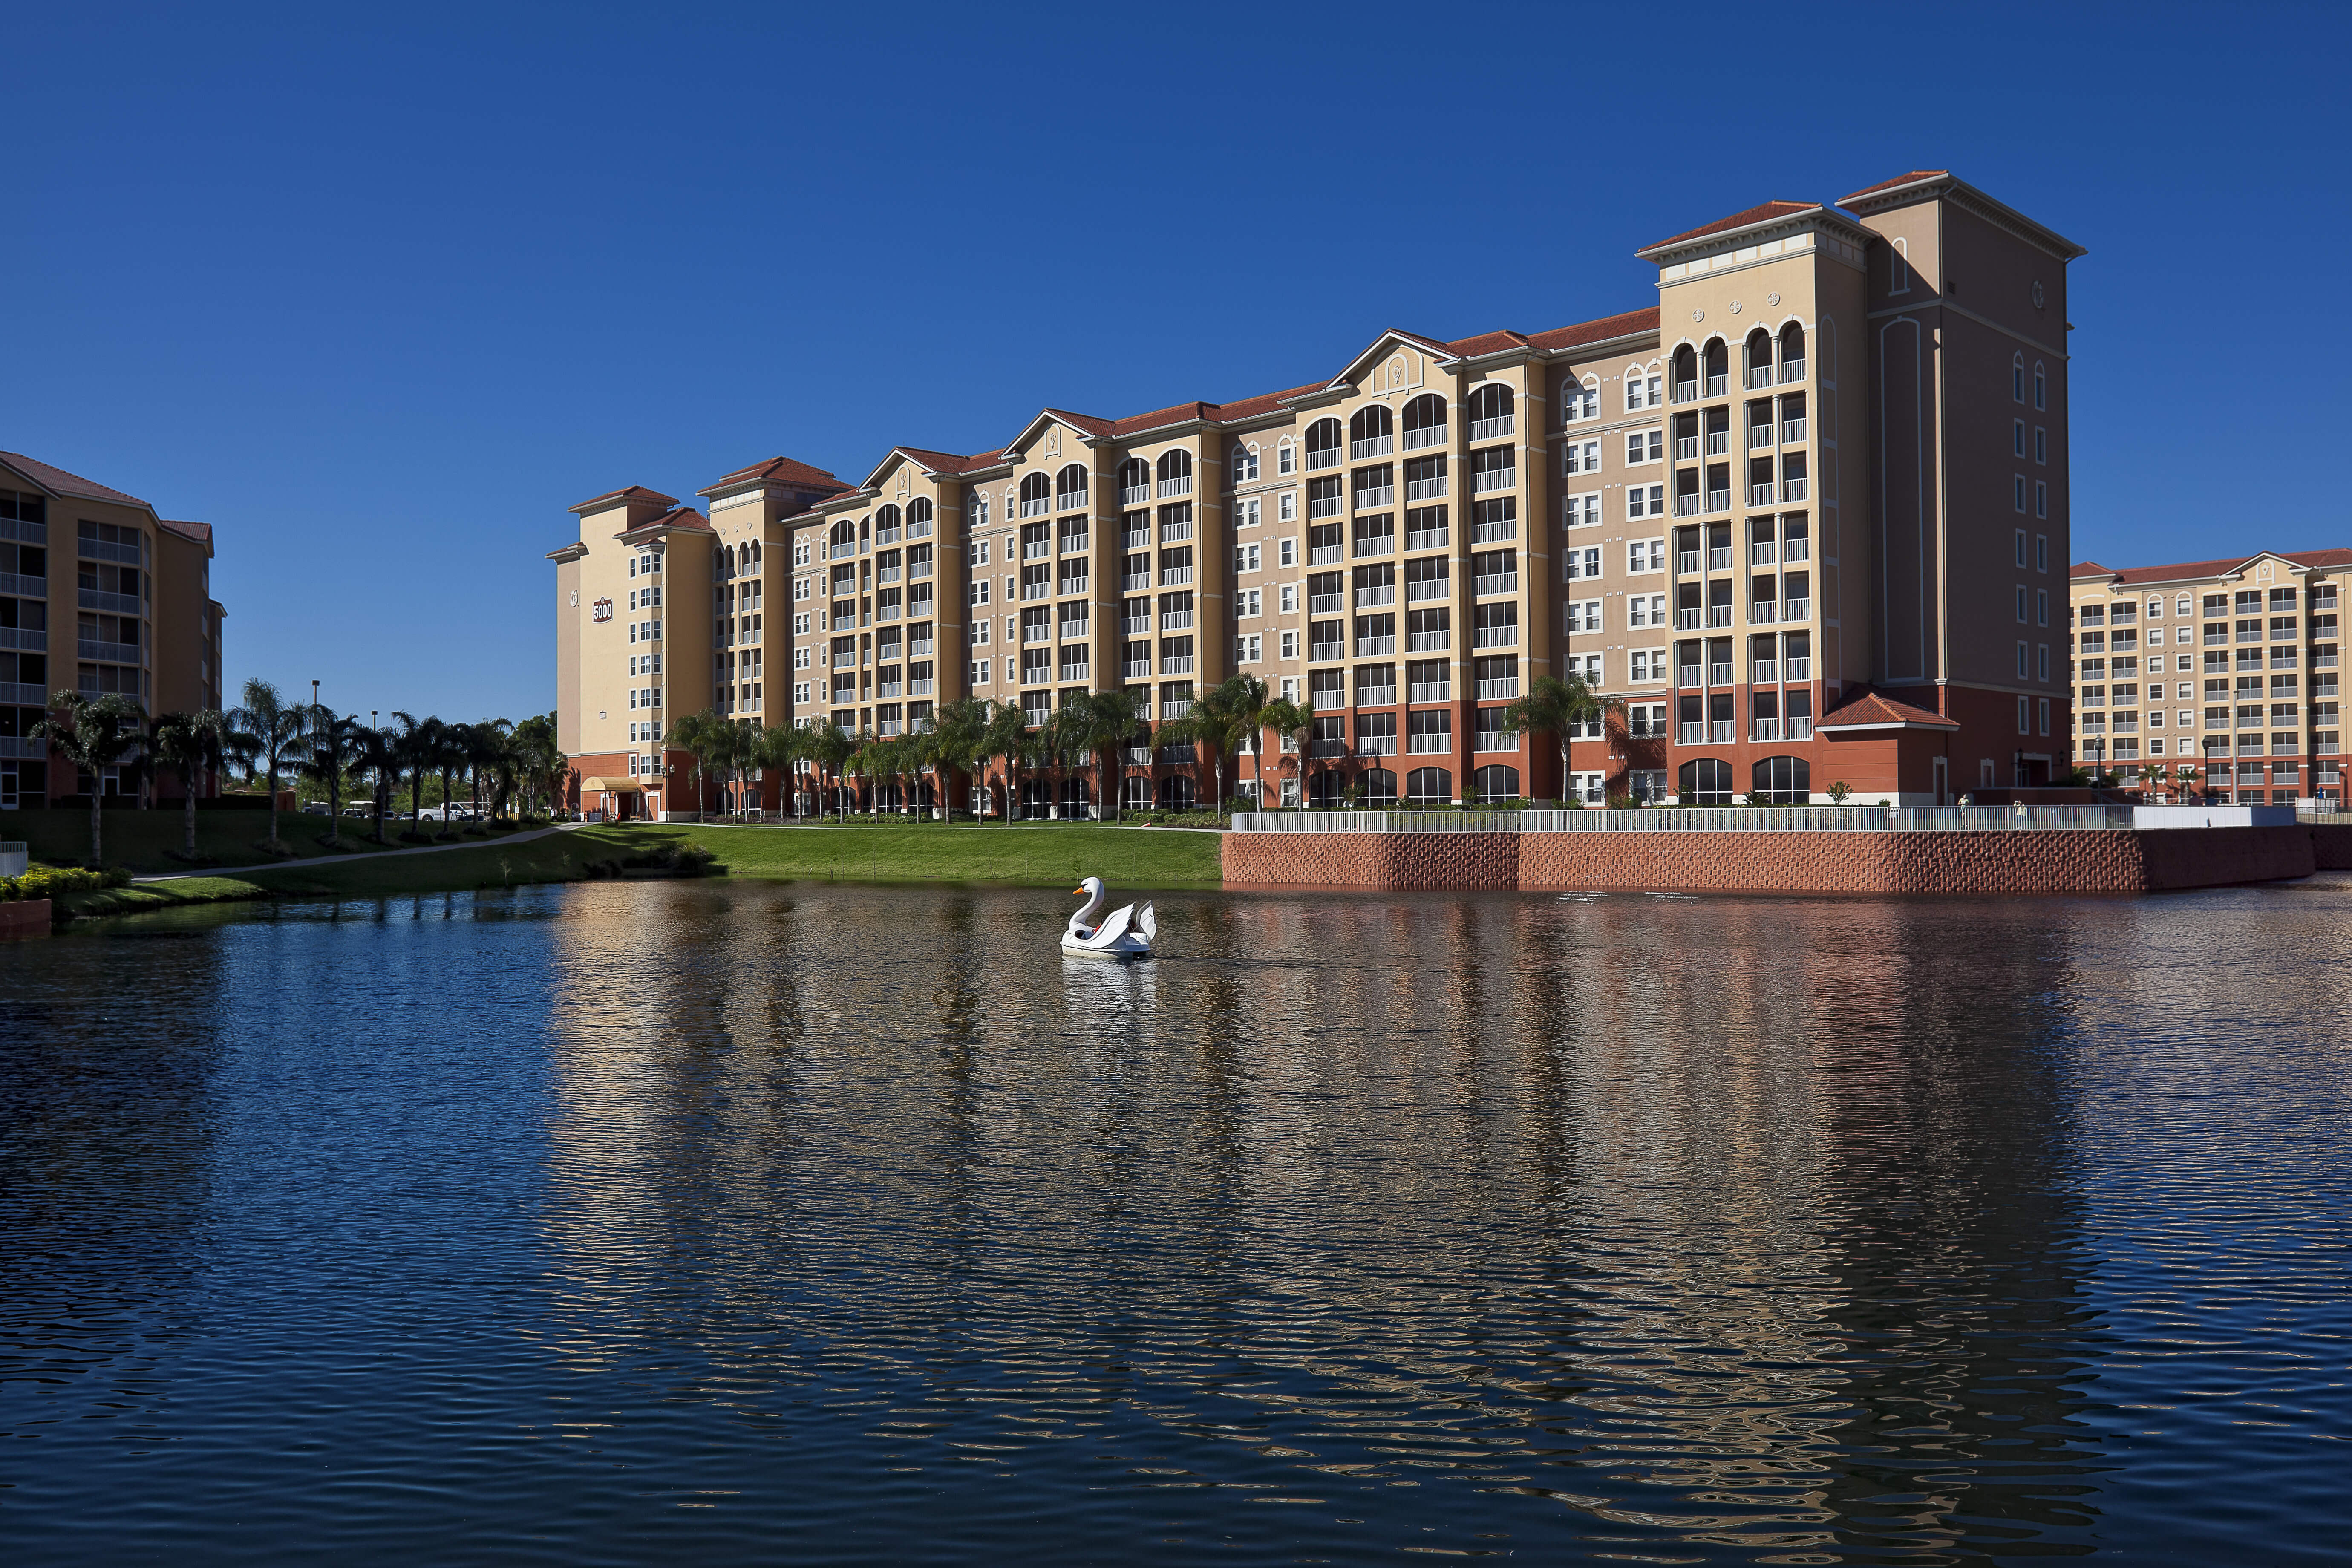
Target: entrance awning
[[614, 786]]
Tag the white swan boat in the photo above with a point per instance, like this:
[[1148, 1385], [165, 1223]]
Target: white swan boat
[[1127, 933]]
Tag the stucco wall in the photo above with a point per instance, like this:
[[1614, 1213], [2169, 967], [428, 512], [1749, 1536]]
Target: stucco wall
[[1989, 862]]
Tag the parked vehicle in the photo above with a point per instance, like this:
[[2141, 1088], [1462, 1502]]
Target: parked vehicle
[[452, 812]]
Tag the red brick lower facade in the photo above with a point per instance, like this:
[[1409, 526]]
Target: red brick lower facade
[[1973, 863]]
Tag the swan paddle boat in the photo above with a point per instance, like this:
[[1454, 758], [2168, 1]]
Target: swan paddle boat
[[1125, 934]]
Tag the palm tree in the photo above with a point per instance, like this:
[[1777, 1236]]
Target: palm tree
[[1293, 723], [277, 729], [445, 753], [190, 745], [1106, 724], [1554, 706], [829, 745], [957, 730], [380, 756], [781, 748], [1221, 719], [411, 754], [1246, 696], [338, 744], [93, 734], [1008, 736], [537, 758]]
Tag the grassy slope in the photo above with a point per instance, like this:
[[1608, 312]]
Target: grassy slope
[[1126, 857], [141, 839]]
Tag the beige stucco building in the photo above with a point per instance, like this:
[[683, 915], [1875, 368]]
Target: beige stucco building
[[1803, 515], [2217, 676], [99, 594]]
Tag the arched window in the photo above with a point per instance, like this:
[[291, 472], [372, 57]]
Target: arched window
[[1792, 353], [1685, 376], [2041, 387], [1135, 475], [864, 528], [1784, 781], [755, 548], [1325, 789], [845, 533], [1424, 422], [1715, 363], [1070, 486], [1244, 464], [718, 563], [1176, 472], [1323, 438], [1429, 786], [1640, 390], [1286, 457], [1706, 782], [1759, 359], [1035, 487], [918, 518], [980, 511], [1494, 783], [886, 524], [1380, 787], [2017, 378], [1176, 793], [1489, 410], [1371, 433]]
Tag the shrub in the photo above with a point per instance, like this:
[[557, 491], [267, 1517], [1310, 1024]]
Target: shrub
[[1622, 802], [57, 881], [1838, 791]]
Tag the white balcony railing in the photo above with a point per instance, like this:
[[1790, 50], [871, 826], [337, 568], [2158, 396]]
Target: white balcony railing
[[1038, 506], [1328, 457], [1421, 592], [1427, 436], [1494, 429], [1428, 489], [1135, 495], [1375, 596], [1377, 446], [1325, 506], [1181, 485], [1428, 642], [1374, 499], [1494, 479]]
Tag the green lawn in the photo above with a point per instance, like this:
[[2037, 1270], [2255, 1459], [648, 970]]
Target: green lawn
[[144, 841], [1058, 855]]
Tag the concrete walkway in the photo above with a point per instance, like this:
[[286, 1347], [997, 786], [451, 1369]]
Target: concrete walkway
[[341, 859]]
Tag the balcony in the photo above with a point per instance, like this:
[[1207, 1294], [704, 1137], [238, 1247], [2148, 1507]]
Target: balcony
[[1134, 581], [1723, 731], [1718, 384], [1428, 489], [1718, 615], [1759, 377], [1494, 479], [1037, 634], [119, 652], [1438, 744], [1324, 506], [844, 549], [1325, 556], [111, 603], [1792, 369], [1796, 609], [1038, 506], [1175, 576], [886, 688], [1496, 691], [1181, 485], [1135, 669], [1427, 436], [1759, 495], [1686, 563], [1376, 648], [1377, 446], [1374, 499], [1689, 676], [1037, 548], [1719, 500], [28, 640], [1424, 593], [919, 568], [1496, 636], [1494, 429], [1765, 671], [1763, 612], [1800, 670], [1686, 505], [886, 535], [888, 574], [1074, 544], [1431, 691], [1765, 730], [1425, 539], [1376, 595], [918, 689], [1718, 558], [1325, 651], [93, 550], [1041, 590], [2253, 635], [1174, 621], [1718, 674], [1798, 548], [1689, 618], [1328, 458], [1691, 735], [1494, 582], [1176, 664], [1760, 436], [1376, 745], [1686, 392], [1376, 697], [1135, 495], [1429, 642], [1792, 431], [1135, 625], [1326, 603], [1070, 500], [1368, 544], [1797, 487], [1495, 533], [1761, 552], [1801, 727]]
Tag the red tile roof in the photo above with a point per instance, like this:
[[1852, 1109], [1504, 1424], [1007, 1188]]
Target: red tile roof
[[200, 533], [1177, 414], [59, 482], [1090, 423], [1486, 343], [1911, 178], [1265, 403], [779, 470], [1871, 709], [679, 516], [1764, 214], [1601, 330], [2187, 571], [622, 497], [937, 462]]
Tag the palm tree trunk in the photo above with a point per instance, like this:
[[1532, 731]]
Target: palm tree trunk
[[188, 786], [273, 799], [96, 856]]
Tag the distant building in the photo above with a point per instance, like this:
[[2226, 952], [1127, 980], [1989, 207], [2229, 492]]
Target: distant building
[[2227, 668], [99, 593], [1805, 517]]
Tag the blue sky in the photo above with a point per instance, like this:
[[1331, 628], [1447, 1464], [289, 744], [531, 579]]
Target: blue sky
[[379, 302]]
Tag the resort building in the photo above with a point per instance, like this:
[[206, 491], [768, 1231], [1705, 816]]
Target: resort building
[[136, 591], [2217, 677], [1800, 516]]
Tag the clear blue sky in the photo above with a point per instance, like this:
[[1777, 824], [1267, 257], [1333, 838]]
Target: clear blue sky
[[379, 302]]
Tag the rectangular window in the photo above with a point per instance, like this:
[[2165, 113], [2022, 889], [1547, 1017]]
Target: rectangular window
[[2042, 561], [1645, 500], [1583, 563], [2024, 716], [2021, 661], [1286, 554], [2040, 444], [1290, 645], [2021, 604], [2021, 549], [1246, 512], [1286, 505], [2040, 498], [2041, 607], [1579, 458], [2016, 438], [2042, 661], [1580, 512], [1646, 555], [1579, 403], [2017, 497]]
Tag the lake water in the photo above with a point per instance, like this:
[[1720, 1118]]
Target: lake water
[[710, 1223]]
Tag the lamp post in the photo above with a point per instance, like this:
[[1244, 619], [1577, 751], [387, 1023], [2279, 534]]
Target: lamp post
[[314, 694]]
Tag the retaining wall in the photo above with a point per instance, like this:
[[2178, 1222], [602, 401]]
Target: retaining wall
[[2111, 861], [24, 917]]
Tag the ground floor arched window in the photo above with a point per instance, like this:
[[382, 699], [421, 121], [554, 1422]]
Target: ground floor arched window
[[1429, 786], [1784, 781], [1139, 792], [1176, 793], [1036, 798], [1493, 784], [1380, 787], [1706, 782], [1323, 787], [1075, 800]]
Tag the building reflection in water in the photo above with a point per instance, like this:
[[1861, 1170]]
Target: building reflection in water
[[1742, 1223]]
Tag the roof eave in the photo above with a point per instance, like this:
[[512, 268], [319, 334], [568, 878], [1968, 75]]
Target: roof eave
[[1667, 251], [1912, 190]]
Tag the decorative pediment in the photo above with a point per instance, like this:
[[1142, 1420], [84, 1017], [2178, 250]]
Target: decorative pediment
[[1396, 361]]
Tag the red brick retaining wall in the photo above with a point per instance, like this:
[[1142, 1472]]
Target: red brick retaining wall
[[1985, 862], [24, 917]]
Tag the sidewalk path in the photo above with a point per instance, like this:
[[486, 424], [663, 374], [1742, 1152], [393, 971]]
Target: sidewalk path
[[341, 860]]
